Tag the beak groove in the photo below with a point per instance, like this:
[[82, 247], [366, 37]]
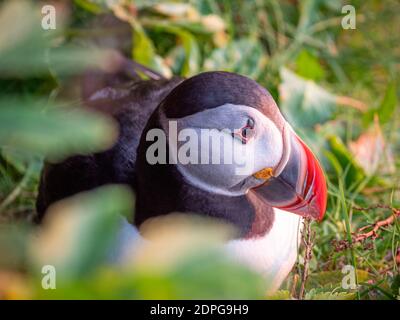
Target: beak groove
[[300, 187]]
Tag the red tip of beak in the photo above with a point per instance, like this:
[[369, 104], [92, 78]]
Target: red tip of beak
[[315, 190], [311, 192]]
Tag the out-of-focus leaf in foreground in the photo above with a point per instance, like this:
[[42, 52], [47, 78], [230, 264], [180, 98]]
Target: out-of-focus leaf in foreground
[[53, 132], [14, 256], [180, 258], [13, 249], [80, 231], [26, 49], [185, 259]]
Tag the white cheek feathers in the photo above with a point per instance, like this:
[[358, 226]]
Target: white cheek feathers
[[210, 158]]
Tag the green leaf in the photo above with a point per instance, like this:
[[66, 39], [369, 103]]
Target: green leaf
[[27, 50], [56, 132], [244, 56], [345, 163], [182, 259], [143, 51], [80, 231], [308, 66], [201, 276], [303, 102], [89, 6], [192, 52], [211, 275], [14, 245], [388, 105], [386, 109], [189, 43]]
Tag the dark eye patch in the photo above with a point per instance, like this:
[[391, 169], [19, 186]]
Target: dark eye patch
[[245, 133]]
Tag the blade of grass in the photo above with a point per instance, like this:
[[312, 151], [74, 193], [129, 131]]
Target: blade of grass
[[346, 217]]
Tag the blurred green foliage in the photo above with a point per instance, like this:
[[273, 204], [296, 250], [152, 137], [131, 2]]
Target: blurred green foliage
[[338, 88]]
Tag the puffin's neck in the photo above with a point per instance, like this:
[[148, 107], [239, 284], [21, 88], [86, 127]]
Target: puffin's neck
[[161, 189]]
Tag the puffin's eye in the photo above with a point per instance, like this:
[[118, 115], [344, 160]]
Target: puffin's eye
[[246, 133]]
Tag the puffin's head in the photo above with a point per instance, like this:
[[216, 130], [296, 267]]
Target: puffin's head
[[227, 136]]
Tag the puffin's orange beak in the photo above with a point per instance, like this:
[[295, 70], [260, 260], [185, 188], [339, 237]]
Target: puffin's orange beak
[[300, 187]]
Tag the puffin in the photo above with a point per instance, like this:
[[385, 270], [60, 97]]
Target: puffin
[[281, 183]]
